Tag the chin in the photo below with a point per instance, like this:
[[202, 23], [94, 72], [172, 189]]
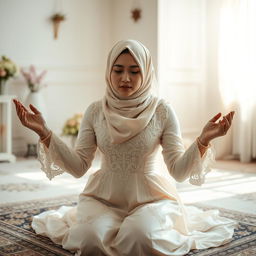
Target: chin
[[126, 93], [123, 95]]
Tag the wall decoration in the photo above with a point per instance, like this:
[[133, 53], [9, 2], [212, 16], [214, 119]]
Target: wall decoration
[[136, 10], [136, 14], [56, 19]]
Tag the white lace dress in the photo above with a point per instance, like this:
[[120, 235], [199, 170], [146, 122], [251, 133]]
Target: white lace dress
[[128, 207]]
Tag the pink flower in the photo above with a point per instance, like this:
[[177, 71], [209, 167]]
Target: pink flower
[[33, 79], [41, 76]]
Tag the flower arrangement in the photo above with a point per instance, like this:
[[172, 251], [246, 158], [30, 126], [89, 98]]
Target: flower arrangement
[[72, 125], [8, 69], [33, 79]]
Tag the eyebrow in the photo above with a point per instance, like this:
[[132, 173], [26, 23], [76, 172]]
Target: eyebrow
[[121, 66]]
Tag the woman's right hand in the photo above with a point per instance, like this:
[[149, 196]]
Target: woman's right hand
[[32, 120]]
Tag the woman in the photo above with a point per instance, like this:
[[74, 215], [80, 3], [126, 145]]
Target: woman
[[128, 207]]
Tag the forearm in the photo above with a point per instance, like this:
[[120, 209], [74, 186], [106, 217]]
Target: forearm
[[180, 162], [191, 163], [60, 158]]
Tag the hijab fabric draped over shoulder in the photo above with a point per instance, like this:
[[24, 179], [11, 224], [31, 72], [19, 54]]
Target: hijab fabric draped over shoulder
[[126, 117]]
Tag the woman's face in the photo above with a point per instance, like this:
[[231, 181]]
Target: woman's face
[[125, 76]]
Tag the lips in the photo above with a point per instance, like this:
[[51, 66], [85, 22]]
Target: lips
[[125, 86]]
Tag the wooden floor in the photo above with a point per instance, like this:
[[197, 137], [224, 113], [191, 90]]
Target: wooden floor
[[230, 184], [236, 165]]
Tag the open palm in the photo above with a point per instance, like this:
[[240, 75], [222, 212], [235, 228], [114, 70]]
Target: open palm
[[215, 128], [32, 120]]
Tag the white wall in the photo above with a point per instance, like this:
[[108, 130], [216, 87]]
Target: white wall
[[188, 65], [144, 30], [213, 99], [182, 61], [75, 62]]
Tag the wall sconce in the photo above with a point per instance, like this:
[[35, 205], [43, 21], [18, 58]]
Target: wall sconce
[[136, 10], [136, 14], [56, 19]]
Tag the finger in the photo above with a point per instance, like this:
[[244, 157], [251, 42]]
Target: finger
[[14, 101], [16, 105], [229, 117], [19, 109], [226, 119], [227, 123], [222, 122], [34, 109], [22, 117], [232, 113], [25, 120], [223, 126], [23, 107], [215, 118]]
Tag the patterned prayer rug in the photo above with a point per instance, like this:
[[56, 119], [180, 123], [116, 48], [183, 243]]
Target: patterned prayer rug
[[17, 238]]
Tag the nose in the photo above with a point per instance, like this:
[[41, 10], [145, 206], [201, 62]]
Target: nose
[[125, 77]]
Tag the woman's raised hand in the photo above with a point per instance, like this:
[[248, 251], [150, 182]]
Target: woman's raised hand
[[32, 120], [215, 128]]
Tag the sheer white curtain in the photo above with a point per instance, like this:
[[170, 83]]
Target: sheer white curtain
[[237, 71]]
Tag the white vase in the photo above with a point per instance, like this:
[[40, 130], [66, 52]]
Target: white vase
[[37, 100], [2, 87]]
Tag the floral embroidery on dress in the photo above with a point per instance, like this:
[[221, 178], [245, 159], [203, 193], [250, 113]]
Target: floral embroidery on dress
[[127, 158]]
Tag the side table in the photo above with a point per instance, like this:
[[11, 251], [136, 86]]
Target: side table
[[6, 128]]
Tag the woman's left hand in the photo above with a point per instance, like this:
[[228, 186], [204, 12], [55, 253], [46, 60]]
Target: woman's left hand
[[215, 128]]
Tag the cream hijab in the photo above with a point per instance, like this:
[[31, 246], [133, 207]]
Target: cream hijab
[[126, 117]]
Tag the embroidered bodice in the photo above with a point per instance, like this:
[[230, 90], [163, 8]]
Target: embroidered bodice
[[127, 169]]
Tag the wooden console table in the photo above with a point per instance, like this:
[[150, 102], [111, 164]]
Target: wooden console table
[[6, 128]]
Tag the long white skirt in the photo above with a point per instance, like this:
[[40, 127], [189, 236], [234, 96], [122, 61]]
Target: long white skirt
[[156, 228]]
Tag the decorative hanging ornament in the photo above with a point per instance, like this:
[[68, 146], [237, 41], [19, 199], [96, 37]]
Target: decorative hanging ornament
[[136, 14], [57, 18]]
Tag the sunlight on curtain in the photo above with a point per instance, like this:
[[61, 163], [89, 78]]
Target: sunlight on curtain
[[237, 71]]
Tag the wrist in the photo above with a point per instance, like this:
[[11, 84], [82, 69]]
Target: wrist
[[44, 134], [203, 141]]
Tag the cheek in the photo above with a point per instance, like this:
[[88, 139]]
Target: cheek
[[113, 79], [138, 81]]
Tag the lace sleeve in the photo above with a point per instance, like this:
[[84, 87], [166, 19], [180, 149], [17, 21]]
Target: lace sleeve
[[59, 158], [48, 160], [180, 163], [200, 165]]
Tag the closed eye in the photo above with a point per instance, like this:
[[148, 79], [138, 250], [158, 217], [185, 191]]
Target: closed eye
[[132, 72]]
